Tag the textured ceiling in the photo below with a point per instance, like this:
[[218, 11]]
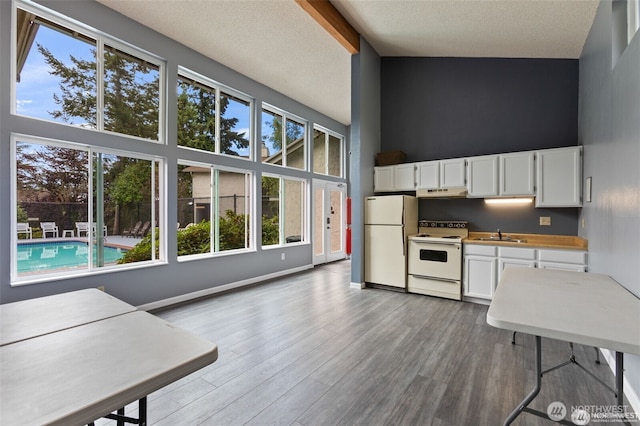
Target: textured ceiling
[[276, 43]]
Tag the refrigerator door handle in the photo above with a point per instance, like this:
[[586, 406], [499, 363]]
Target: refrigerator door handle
[[404, 243]]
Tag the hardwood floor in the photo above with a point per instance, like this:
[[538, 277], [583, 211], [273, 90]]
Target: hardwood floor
[[309, 350]]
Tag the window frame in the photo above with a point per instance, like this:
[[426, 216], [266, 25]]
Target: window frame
[[286, 117], [338, 136], [304, 205], [91, 269], [101, 40], [214, 214], [220, 88]]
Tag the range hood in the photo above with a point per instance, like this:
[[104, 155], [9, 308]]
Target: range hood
[[442, 193]]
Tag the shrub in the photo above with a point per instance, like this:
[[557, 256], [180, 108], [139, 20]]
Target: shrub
[[196, 238], [141, 251]]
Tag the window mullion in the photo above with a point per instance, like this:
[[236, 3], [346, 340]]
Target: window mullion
[[100, 83], [281, 220], [283, 138], [215, 210], [218, 147]]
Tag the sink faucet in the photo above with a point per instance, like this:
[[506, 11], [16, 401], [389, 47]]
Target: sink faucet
[[499, 234]]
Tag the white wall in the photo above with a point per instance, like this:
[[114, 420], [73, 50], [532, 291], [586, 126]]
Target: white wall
[[609, 129]]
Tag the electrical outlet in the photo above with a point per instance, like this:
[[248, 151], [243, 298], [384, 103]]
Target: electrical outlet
[[101, 287], [282, 256], [583, 222], [545, 220]]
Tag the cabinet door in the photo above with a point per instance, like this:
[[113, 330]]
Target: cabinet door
[[383, 179], [482, 176], [518, 263], [559, 177], [404, 178], [517, 174], [479, 276], [452, 173], [428, 175]]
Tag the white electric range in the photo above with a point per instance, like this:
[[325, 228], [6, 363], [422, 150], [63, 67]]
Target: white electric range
[[435, 259]]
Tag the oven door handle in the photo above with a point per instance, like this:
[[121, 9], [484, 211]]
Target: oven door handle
[[436, 242], [448, 280]]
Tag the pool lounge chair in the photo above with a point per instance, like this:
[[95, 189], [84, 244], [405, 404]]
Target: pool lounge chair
[[82, 227], [143, 231], [24, 228], [132, 232], [49, 227]]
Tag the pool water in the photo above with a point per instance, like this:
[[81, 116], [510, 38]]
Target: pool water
[[33, 257]]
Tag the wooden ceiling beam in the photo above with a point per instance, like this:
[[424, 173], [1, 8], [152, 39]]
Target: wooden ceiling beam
[[333, 22]]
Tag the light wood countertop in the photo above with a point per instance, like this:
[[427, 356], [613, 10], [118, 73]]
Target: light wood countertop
[[566, 242]]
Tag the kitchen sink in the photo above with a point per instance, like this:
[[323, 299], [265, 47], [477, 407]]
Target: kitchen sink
[[504, 240]]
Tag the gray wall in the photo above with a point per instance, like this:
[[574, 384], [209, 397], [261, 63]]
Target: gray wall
[[609, 123], [150, 284], [516, 219], [365, 142], [437, 108]]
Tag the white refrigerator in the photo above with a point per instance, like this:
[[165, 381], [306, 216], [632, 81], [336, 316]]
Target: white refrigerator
[[388, 220]]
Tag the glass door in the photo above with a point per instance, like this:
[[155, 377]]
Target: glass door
[[329, 221]]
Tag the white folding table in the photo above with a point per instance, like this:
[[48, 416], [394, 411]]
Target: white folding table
[[579, 307], [77, 374], [44, 315]]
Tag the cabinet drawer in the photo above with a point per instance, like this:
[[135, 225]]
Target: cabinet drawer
[[480, 250], [517, 253], [563, 256]]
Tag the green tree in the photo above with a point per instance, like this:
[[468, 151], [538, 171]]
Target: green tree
[[197, 120], [131, 92], [131, 107], [293, 132], [21, 215], [60, 173]]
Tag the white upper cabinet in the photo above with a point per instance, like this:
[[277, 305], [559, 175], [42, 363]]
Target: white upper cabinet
[[399, 177], [404, 177], [559, 177], [383, 179], [452, 173], [482, 173], [517, 174], [428, 175]]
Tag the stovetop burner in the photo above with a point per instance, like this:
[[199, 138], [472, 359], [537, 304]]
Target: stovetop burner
[[438, 230]]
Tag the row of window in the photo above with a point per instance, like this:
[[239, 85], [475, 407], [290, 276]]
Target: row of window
[[57, 71], [114, 203], [64, 187]]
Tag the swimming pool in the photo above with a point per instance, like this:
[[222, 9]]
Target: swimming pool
[[34, 257]]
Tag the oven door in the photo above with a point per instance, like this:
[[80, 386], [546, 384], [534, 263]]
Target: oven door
[[434, 259]]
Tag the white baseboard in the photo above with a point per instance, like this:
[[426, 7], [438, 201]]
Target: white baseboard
[[359, 286], [210, 291], [629, 392]]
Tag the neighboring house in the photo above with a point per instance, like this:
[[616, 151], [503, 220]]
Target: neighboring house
[[231, 190]]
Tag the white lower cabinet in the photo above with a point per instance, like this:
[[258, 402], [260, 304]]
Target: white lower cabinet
[[566, 260], [515, 257], [480, 266], [484, 264]]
